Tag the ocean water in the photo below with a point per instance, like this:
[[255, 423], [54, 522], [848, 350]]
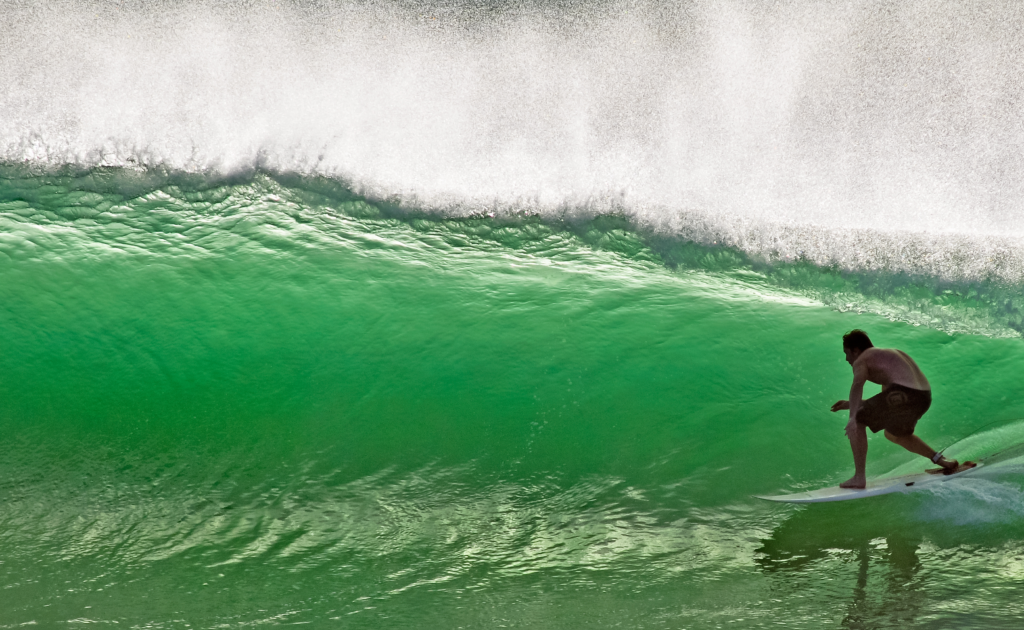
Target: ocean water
[[485, 315]]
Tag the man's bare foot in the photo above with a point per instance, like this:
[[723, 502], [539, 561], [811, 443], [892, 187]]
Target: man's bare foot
[[949, 464], [856, 482]]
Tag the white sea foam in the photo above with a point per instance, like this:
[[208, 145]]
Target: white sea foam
[[977, 500], [989, 494], [870, 136]]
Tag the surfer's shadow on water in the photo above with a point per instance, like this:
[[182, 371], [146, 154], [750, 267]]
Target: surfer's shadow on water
[[875, 579], [901, 604], [888, 557]]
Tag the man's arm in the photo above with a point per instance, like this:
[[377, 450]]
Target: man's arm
[[860, 376]]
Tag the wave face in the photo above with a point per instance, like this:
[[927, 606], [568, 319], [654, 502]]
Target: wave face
[[269, 400], [481, 315]]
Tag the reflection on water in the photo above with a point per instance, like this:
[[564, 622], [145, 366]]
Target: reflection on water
[[871, 572], [901, 600], [898, 562]]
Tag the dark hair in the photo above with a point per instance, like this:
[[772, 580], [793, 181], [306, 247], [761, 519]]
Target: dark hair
[[857, 339]]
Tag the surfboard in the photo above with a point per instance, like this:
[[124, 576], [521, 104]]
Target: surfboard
[[875, 487]]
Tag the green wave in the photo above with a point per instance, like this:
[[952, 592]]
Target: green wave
[[260, 399], [987, 306]]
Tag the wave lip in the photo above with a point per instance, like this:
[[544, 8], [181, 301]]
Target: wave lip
[[120, 212], [869, 116], [878, 145]]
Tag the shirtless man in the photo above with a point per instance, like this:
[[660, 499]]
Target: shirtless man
[[905, 396]]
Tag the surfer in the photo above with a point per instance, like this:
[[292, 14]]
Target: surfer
[[906, 395]]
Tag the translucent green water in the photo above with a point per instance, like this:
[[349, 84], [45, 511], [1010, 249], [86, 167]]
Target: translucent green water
[[256, 401]]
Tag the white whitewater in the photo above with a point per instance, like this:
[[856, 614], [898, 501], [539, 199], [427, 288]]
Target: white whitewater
[[871, 136]]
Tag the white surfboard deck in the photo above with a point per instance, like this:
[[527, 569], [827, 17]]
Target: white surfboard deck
[[875, 487]]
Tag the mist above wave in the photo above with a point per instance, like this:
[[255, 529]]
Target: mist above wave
[[867, 136]]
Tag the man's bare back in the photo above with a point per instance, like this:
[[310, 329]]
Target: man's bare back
[[905, 397], [888, 366]]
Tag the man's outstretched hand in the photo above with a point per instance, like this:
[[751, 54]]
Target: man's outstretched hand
[[842, 404]]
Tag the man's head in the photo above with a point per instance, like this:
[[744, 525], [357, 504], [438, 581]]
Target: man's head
[[854, 343]]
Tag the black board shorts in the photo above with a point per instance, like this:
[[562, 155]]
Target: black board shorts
[[896, 410]]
